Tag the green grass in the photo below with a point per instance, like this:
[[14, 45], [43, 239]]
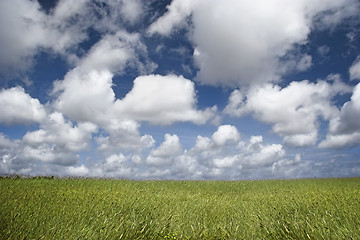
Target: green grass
[[120, 209]]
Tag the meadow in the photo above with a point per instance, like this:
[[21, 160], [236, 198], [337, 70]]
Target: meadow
[[45, 208]]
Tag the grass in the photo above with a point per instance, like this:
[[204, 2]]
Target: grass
[[45, 208]]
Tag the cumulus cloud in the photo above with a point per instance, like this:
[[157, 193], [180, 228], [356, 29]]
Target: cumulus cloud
[[57, 140], [27, 30], [235, 159], [116, 51], [354, 70], [243, 43], [124, 135], [225, 134], [166, 152], [238, 159], [85, 96], [174, 17], [344, 129], [207, 159], [294, 110], [21, 32], [162, 100], [18, 107]]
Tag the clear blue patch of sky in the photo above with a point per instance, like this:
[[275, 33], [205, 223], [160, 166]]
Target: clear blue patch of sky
[[339, 58], [17, 131], [48, 68]]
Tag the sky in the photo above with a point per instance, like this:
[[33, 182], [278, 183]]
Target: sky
[[182, 89]]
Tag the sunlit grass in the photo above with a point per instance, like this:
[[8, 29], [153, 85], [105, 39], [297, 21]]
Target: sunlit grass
[[121, 209]]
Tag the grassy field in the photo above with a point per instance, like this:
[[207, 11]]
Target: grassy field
[[120, 209]]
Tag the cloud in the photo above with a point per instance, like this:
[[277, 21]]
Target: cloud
[[116, 51], [162, 100], [86, 94], [344, 129], [294, 110], [245, 43], [235, 159], [57, 140], [18, 107], [124, 135], [78, 171], [354, 70], [166, 152], [177, 12], [19, 19], [252, 159], [26, 30], [225, 134], [131, 10]]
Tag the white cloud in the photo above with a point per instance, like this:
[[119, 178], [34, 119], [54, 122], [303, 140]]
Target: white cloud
[[57, 141], [162, 100], [304, 63], [78, 171], [124, 135], [19, 19], [116, 51], [206, 160], [294, 110], [166, 152], [18, 107], [85, 96], [268, 155], [354, 70], [344, 129], [57, 131], [131, 10], [226, 134], [241, 42], [177, 12], [86, 92], [27, 30]]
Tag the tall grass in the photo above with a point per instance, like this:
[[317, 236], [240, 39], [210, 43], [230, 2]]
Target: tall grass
[[121, 209]]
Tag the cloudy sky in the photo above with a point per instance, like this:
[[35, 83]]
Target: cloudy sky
[[182, 89]]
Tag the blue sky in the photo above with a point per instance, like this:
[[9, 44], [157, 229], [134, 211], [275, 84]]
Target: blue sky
[[181, 89]]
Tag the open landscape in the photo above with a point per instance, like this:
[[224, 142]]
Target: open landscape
[[64, 208]]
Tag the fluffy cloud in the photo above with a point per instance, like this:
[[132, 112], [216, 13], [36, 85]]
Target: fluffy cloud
[[244, 43], [207, 159], [162, 100], [344, 130], [354, 70], [251, 159], [18, 107], [27, 30], [86, 92], [177, 12], [225, 134], [85, 96], [166, 152], [235, 159], [124, 135], [19, 19], [57, 141], [116, 51], [294, 110]]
